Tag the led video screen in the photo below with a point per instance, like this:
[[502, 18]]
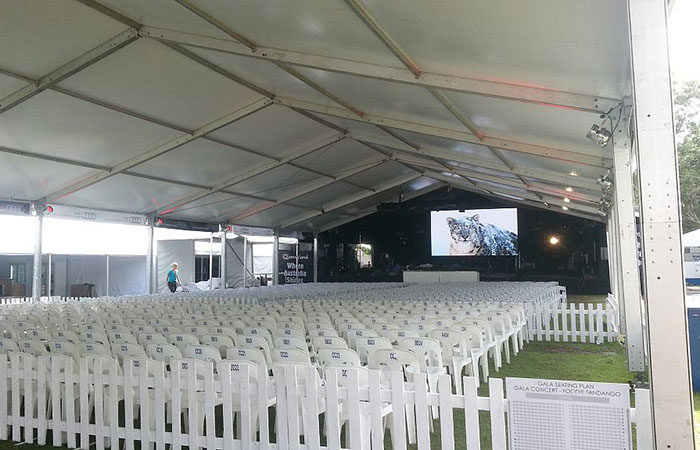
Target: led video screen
[[474, 232]]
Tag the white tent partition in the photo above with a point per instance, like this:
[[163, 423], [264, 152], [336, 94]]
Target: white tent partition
[[127, 275], [169, 251]]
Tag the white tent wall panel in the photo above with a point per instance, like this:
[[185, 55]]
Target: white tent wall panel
[[125, 193], [127, 275], [217, 205], [66, 127], [170, 87], [60, 275], [8, 84], [169, 251], [377, 175], [339, 157], [327, 194], [200, 161], [274, 131], [533, 123], [317, 26], [460, 148], [561, 166], [265, 75], [87, 269], [234, 262], [398, 101], [29, 178], [273, 215], [516, 41], [45, 45]]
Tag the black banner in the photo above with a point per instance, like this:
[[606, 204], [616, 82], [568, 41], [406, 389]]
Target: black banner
[[292, 271]]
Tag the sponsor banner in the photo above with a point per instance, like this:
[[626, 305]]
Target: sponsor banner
[[15, 208], [94, 215], [293, 270]]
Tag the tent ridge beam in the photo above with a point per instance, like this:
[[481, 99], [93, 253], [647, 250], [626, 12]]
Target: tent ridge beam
[[448, 155], [295, 154], [348, 200], [474, 86], [456, 135], [361, 11], [316, 185], [76, 65], [162, 149]]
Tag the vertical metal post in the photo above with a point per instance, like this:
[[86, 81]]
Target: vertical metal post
[[222, 260], [49, 276], [149, 260], [36, 274], [672, 406], [107, 287], [275, 259], [316, 259], [630, 290], [211, 261], [296, 263], [245, 261]]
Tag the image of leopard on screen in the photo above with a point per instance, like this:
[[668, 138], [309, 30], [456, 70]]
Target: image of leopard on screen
[[474, 232]]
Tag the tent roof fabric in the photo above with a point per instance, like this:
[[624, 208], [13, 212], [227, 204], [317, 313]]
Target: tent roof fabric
[[307, 114]]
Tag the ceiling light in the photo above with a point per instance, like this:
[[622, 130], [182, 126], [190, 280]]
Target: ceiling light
[[599, 135], [566, 200], [569, 189], [553, 240], [545, 204], [573, 173], [565, 208]]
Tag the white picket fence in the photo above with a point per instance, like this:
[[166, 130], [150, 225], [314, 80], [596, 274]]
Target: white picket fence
[[592, 323], [237, 406]]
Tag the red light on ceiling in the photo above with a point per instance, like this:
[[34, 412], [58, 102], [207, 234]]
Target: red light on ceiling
[[49, 209], [159, 221]]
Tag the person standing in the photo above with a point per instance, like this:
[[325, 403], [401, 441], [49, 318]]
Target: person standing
[[173, 278]]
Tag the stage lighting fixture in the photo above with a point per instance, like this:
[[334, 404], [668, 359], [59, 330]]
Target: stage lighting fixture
[[566, 200], [599, 135], [569, 189], [553, 240], [565, 208], [573, 173]]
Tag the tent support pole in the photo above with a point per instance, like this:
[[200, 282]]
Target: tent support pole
[[36, 274], [315, 258], [49, 275], [275, 259], [296, 262], [107, 284], [211, 261], [149, 260], [245, 260], [222, 259], [662, 252]]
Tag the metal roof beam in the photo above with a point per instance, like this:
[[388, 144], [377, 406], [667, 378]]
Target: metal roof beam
[[161, 149], [520, 194], [533, 204], [86, 59], [515, 183], [455, 135], [295, 154], [314, 186], [409, 196], [549, 176], [474, 86], [349, 200]]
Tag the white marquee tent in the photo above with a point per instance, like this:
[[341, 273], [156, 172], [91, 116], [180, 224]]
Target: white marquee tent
[[303, 115]]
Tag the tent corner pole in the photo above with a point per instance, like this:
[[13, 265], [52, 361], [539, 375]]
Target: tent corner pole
[[36, 273]]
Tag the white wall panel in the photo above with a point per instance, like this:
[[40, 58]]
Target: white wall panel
[[168, 252]]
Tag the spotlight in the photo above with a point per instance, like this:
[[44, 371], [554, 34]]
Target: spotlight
[[565, 208], [553, 240], [605, 203], [605, 180], [599, 135], [545, 204], [569, 189], [573, 173], [566, 200]]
